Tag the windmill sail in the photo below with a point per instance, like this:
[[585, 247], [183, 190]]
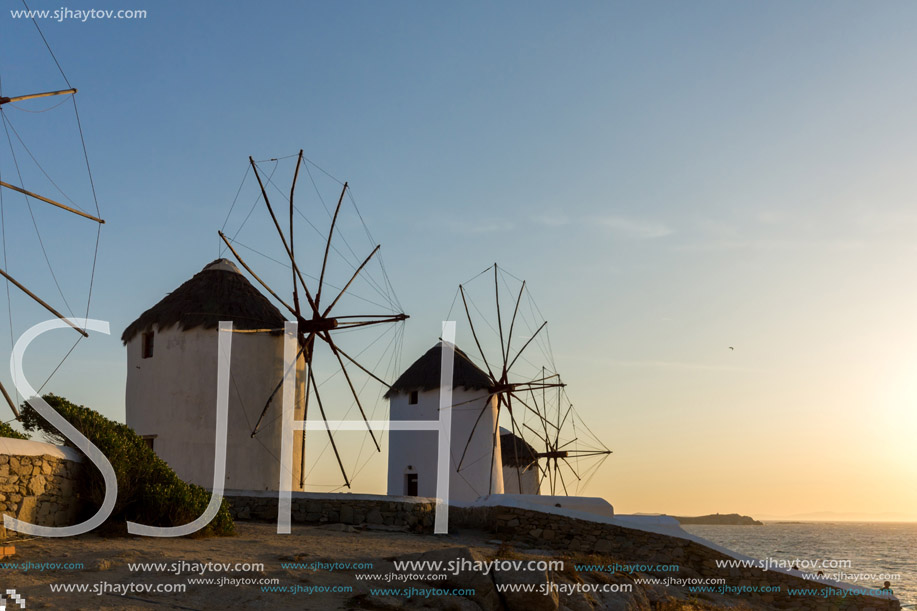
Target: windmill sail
[[335, 287], [27, 175], [543, 430]]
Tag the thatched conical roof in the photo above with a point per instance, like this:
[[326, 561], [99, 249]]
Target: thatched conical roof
[[515, 451], [424, 374], [218, 292]]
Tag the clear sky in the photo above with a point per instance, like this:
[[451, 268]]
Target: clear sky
[[671, 178]]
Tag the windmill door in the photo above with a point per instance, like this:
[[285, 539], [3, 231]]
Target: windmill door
[[410, 484]]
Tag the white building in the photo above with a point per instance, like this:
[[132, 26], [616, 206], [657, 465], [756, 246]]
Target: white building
[[172, 380], [520, 465], [412, 457]]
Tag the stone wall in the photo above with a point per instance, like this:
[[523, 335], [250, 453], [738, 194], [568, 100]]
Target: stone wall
[[563, 535], [409, 513], [37, 483]]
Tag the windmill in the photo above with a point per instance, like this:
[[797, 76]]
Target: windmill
[[571, 449], [529, 391], [17, 171], [322, 317]]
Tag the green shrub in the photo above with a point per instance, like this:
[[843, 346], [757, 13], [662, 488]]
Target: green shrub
[[8, 431], [149, 492]]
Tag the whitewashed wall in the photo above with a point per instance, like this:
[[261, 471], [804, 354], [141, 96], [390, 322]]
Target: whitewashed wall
[[416, 451], [173, 395], [529, 478]]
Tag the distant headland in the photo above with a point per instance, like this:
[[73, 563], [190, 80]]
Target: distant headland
[[720, 519]]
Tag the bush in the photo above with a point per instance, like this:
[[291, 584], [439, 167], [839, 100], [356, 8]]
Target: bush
[[149, 492], [8, 431]]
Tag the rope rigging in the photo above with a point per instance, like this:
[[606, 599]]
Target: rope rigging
[[345, 279], [10, 130], [525, 386]]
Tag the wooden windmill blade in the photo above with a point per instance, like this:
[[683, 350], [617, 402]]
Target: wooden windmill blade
[[571, 444], [504, 386], [32, 96], [47, 200], [32, 194], [9, 401], [317, 323], [42, 303], [287, 247], [304, 344], [50, 309]]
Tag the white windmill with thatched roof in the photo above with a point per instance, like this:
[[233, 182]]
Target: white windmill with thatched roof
[[520, 464], [543, 441], [172, 378], [412, 455], [172, 348]]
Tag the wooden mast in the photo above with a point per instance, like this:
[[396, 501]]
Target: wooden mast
[[52, 202], [32, 96], [22, 98], [42, 303]]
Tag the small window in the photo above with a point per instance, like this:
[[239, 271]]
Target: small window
[[148, 440], [146, 349], [410, 484], [412, 400]]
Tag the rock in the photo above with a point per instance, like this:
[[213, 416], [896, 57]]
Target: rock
[[575, 601], [28, 511], [542, 598], [636, 600], [485, 596], [103, 564], [374, 517], [603, 546]]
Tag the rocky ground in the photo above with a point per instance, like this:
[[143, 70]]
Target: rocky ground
[[111, 583]]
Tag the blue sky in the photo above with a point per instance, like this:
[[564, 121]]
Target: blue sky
[[671, 178]]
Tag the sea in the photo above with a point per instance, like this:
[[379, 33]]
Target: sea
[[876, 551]]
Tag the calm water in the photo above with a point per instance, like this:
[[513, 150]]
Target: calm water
[[871, 547]]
